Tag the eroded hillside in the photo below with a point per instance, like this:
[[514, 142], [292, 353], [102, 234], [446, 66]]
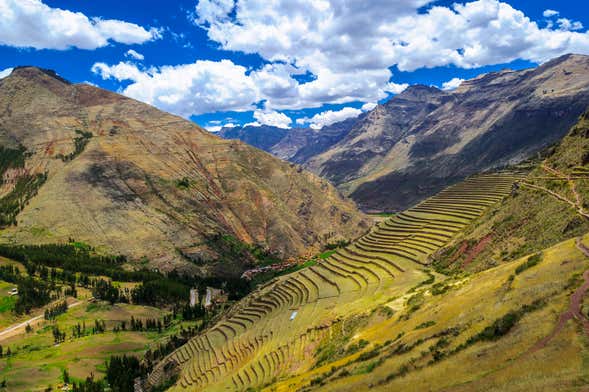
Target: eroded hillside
[[496, 119], [378, 315], [130, 179]]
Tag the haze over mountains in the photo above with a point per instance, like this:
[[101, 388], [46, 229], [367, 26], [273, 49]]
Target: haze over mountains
[[134, 180], [424, 138]]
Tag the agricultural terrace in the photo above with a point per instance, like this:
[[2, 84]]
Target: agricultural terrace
[[276, 329]]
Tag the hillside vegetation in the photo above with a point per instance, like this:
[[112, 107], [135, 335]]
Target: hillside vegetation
[[81, 162], [550, 205], [416, 304]]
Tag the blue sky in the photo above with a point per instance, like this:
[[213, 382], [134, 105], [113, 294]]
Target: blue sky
[[287, 62]]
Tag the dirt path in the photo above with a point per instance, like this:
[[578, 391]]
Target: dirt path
[[558, 196], [574, 310], [14, 329], [571, 183]]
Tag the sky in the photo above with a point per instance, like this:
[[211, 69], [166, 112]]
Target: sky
[[285, 63]]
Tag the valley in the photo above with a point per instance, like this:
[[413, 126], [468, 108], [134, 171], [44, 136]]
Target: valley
[[149, 255]]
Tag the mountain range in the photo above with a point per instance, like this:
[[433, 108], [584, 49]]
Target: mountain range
[[425, 139]]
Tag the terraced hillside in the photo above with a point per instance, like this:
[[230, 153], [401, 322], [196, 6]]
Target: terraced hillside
[[285, 327]]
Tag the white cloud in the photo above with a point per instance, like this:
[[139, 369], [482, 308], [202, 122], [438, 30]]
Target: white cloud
[[214, 126], [32, 24], [329, 117], [345, 50], [395, 88], [550, 13], [452, 84], [368, 106], [134, 54], [5, 72], [565, 24], [272, 118], [201, 87]]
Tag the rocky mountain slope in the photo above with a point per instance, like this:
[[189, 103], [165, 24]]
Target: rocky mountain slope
[[127, 178], [424, 138]]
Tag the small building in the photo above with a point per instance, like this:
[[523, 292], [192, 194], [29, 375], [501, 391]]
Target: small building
[[193, 297], [214, 296]]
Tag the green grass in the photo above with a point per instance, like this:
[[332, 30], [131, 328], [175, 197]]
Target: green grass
[[7, 304]]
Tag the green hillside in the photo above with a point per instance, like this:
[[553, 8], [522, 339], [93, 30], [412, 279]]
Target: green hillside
[[479, 287]]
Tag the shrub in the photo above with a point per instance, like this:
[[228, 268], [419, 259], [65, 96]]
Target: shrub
[[529, 263]]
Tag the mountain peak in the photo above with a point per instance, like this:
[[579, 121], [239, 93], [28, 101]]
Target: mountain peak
[[33, 72], [420, 92]]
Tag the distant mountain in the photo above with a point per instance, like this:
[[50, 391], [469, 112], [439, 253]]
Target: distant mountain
[[263, 137], [424, 139], [84, 163], [296, 145]]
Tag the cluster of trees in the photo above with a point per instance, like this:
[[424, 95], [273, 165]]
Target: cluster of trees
[[104, 290], [52, 312], [58, 335], [80, 143], [80, 330], [175, 341], [193, 312], [5, 353], [32, 293], [9, 273], [13, 203], [68, 257]]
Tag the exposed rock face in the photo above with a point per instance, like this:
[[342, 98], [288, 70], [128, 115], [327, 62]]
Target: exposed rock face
[[151, 184], [424, 139]]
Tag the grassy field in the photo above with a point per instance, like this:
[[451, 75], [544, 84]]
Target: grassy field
[[37, 361], [401, 355]]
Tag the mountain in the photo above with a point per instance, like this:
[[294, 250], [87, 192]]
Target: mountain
[[263, 137], [296, 145], [387, 312], [424, 139], [82, 163]]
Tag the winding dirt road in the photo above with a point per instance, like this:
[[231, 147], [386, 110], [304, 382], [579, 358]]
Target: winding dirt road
[[14, 329]]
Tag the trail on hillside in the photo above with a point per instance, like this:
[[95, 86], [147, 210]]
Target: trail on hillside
[[13, 329], [574, 310], [558, 196], [571, 183]]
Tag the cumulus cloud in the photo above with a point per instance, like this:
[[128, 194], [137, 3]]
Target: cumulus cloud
[[550, 13], [368, 106], [272, 118], [5, 72], [452, 84], [191, 89], [134, 54], [214, 126], [565, 24], [395, 88], [329, 117], [332, 37], [32, 24], [346, 48]]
